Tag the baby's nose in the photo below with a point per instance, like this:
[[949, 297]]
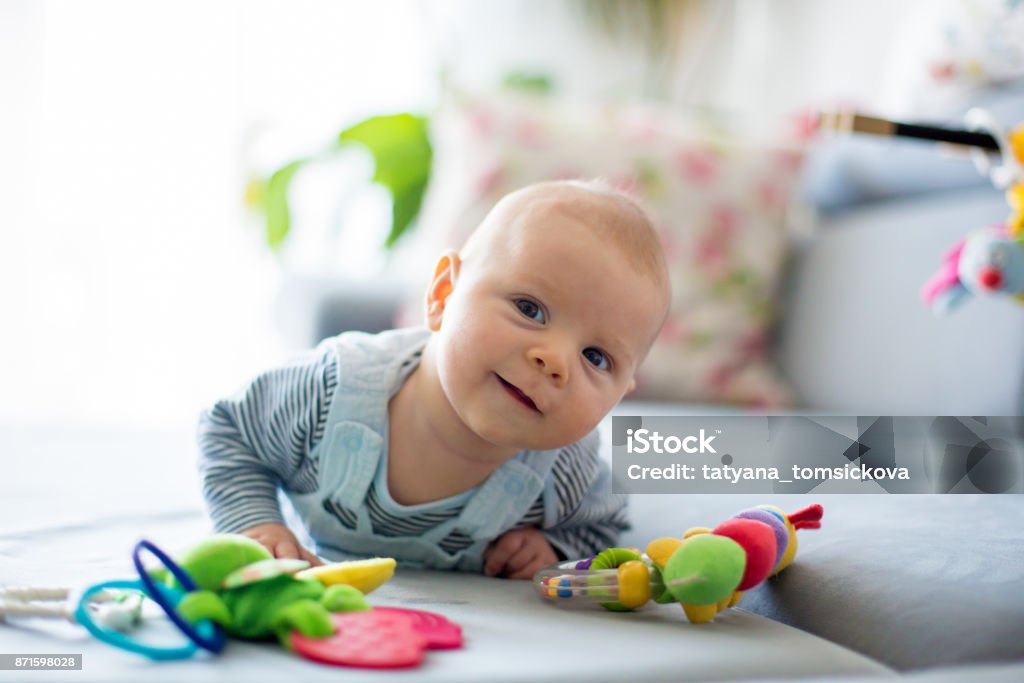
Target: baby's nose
[[551, 363]]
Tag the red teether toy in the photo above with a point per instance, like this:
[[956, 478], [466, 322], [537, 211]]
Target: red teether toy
[[366, 639]]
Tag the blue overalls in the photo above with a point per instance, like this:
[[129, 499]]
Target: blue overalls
[[351, 457]]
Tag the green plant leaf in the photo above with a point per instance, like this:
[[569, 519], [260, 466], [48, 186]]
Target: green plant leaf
[[401, 150], [536, 83], [275, 203]]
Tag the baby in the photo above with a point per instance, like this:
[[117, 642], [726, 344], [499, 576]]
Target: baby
[[469, 444]]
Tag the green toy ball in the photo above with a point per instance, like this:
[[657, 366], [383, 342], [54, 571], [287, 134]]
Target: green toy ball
[[705, 569], [215, 558]]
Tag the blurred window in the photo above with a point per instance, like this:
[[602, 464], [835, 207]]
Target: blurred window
[[136, 289]]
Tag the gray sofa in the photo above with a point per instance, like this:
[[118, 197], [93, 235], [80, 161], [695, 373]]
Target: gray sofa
[[926, 588]]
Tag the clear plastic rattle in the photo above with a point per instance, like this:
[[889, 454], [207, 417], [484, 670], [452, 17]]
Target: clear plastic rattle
[[705, 571]]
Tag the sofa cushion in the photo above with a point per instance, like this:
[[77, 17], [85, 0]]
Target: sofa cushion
[[913, 581]]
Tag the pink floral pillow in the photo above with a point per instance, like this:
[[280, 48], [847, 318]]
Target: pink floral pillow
[[718, 204]]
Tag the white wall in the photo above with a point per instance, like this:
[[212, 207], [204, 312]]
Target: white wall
[[135, 289], [760, 58]]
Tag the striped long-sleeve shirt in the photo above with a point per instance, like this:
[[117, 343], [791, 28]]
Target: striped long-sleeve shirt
[[263, 439]]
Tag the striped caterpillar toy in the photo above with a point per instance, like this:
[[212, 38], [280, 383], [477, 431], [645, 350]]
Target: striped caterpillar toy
[[706, 570]]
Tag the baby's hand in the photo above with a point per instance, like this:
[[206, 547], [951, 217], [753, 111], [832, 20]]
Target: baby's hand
[[519, 554], [281, 542]]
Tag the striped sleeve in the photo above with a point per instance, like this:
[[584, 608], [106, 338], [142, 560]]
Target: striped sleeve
[[588, 516], [260, 439]]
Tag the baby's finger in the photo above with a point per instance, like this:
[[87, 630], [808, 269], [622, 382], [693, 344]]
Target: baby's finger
[[267, 543], [498, 554], [524, 558], [286, 549], [309, 557], [527, 571]]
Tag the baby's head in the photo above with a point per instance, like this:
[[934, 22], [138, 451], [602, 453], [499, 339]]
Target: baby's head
[[543, 317]]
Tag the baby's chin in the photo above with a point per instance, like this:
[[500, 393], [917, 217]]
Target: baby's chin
[[553, 443], [530, 442]]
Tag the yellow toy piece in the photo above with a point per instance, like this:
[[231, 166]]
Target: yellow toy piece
[[1015, 198], [363, 575], [634, 584], [1016, 138], [700, 614], [1015, 192], [660, 549], [696, 530], [790, 554]]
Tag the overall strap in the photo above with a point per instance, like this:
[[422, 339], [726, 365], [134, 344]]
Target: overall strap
[[507, 495], [369, 367]]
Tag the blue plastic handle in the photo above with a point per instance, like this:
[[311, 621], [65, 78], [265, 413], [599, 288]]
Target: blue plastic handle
[[118, 639], [205, 633], [211, 638]]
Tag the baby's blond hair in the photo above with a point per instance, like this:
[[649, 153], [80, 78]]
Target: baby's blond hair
[[620, 219]]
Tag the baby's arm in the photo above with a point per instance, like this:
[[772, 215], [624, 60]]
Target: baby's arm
[[260, 439], [589, 517]]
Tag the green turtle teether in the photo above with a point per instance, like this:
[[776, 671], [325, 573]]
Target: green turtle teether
[[252, 595]]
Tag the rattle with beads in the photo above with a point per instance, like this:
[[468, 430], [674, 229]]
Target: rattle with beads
[[705, 571]]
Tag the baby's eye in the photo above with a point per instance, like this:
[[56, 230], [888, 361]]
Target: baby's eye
[[530, 309], [596, 358]]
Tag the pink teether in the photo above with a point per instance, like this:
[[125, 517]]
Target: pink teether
[[440, 633], [366, 639]]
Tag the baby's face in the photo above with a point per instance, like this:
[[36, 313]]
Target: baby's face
[[543, 332]]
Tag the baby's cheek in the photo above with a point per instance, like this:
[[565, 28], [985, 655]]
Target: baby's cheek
[[583, 425], [601, 406]]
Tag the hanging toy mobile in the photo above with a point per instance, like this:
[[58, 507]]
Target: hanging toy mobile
[[988, 260]]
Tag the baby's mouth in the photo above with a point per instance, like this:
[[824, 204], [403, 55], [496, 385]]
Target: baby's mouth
[[517, 394]]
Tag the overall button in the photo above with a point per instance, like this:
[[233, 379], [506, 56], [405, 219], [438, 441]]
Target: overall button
[[514, 486], [353, 442]]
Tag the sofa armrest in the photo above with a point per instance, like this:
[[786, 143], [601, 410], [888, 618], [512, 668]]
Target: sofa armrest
[[856, 338]]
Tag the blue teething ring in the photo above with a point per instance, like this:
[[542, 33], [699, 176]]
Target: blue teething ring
[[120, 640], [214, 639]]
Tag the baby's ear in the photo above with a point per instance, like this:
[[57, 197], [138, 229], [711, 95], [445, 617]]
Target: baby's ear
[[446, 272]]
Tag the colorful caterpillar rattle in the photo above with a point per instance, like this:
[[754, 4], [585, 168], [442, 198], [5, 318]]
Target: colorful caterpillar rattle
[[705, 571]]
